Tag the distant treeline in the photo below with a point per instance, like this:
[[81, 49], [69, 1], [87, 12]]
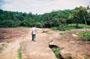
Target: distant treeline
[[52, 19]]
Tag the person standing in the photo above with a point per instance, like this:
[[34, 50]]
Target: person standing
[[33, 33]]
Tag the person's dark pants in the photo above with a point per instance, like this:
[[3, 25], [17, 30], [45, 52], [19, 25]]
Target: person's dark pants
[[33, 37]]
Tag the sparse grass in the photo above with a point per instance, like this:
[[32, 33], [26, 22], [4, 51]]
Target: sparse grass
[[73, 26], [44, 31], [70, 27], [50, 41], [85, 35], [64, 28], [54, 28], [79, 25], [86, 58], [62, 33], [2, 47], [20, 53], [57, 52], [49, 33]]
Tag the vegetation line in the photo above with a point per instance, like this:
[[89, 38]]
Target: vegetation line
[[20, 53], [60, 19]]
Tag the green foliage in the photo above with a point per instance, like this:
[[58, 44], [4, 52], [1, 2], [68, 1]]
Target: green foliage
[[57, 52], [1, 48], [54, 28], [47, 20], [79, 26], [62, 33], [85, 35], [20, 53], [79, 15], [18, 19], [86, 58], [63, 27], [38, 24], [69, 27], [73, 26]]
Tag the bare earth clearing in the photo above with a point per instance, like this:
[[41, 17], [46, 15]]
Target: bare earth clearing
[[11, 39]]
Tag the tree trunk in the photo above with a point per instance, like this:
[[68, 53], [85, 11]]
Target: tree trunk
[[76, 25], [85, 23]]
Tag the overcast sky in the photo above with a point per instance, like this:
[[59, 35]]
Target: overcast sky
[[41, 6]]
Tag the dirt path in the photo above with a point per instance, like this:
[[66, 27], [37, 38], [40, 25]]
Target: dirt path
[[39, 49], [73, 48]]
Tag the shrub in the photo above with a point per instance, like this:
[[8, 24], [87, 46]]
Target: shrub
[[54, 28], [56, 51], [63, 27], [85, 35]]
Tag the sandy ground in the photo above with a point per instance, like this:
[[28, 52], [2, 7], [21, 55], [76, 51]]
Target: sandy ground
[[13, 38]]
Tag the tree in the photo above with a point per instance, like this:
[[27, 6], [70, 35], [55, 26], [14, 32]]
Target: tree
[[79, 15], [83, 13]]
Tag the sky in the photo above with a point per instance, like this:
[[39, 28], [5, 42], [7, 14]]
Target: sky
[[41, 6]]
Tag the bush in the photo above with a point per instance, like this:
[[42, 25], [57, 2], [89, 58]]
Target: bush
[[85, 35], [56, 51], [63, 28], [54, 28]]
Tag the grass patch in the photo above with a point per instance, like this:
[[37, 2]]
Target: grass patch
[[72, 26], [63, 28], [44, 31], [86, 58], [20, 53], [2, 47], [79, 25], [56, 51], [85, 35], [62, 33], [69, 27], [54, 28]]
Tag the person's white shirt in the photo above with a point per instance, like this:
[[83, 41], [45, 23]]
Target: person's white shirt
[[34, 30]]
